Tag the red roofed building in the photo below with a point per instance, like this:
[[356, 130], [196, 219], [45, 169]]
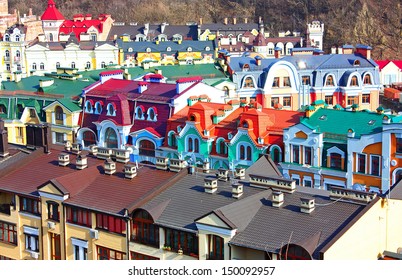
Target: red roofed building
[[127, 114], [390, 71], [227, 136], [52, 19]]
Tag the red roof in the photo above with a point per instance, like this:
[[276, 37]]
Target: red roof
[[79, 27], [152, 76], [189, 79], [111, 72], [398, 63], [52, 13], [382, 63]]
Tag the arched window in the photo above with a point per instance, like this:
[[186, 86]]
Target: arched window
[[3, 109], [103, 64], [57, 65], [42, 66], [196, 145], [354, 82], [7, 38], [7, 53], [88, 107], [242, 152], [17, 38], [88, 65], [111, 110], [34, 66], [248, 83], [98, 107], [144, 229], [245, 152], [18, 53], [221, 147], [248, 155], [110, 62], [329, 82], [226, 90], [190, 146], [111, 138], [189, 49], [151, 113], [73, 64], [147, 148], [88, 138], [139, 113], [59, 115], [51, 37], [172, 139], [367, 79]]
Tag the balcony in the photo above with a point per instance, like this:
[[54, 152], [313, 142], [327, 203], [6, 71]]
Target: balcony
[[5, 208]]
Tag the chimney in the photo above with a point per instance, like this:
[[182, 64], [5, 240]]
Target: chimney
[[142, 86], [162, 163], [81, 162], [277, 198], [205, 167], [258, 60], [223, 174], [364, 51], [64, 159], [210, 185], [191, 169], [109, 166], [225, 20], [234, 21], [278, 51], [240, 173], [67, 146], [76, 148], [307, 205], [333, 50], [130, 171], [176, 165], [3, 140], [93, 149], [237, 190]]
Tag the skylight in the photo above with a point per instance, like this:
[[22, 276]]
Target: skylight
[[371, 122], [323, 117]]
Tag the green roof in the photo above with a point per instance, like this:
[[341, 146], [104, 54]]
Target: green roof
[[72, 106], [338, 122]]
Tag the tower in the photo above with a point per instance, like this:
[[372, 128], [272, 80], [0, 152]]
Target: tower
[[315, 34], [52, 19]]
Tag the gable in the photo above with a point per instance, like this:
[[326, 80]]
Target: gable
[[51, 189], [213, 220], [37, 47], [106, 47], [301, 134]]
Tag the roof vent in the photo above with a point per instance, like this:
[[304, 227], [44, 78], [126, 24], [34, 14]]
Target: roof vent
[[237, 190], [223, 174], [307, 205], [210, 185], [76, 148], [205, 167], [93, 150], [162, 163], [274, 182], [122, 156], [64, 159], [177, 164], [130, 171], [104, 153], [110, 167], [67, 146], [81, 162], [356, 196], [277, 198], [240, 173]]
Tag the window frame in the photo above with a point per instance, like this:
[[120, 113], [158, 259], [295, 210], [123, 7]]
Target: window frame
[[111, 223], [375, 171], [53, 211], [79, 216], [32, 206], [102, 252], [361, 163], [8, 233]]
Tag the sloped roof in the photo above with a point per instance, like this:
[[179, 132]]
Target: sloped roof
[[51, 12]]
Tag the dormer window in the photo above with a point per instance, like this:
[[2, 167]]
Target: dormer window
[[207, 49], [139, 113], [111, 110], [248, 82], [189, 49], [103, 64], [151, 113], [246, 67], [329, 81], [88, 65], [356, 62], [148, 50], [130, 49], [98, 107], [168, 49], [88, 106], [354, 82], [367, 79], [17, 38], [7, 38]]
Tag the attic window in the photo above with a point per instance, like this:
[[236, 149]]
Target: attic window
[[168, 49], [356, 62], [189, 49], [323, 117], [371, 122], [130, 49], [148, 50], [207, 49]]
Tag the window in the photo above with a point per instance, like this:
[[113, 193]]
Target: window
[[295, 153], [34, 66], [147, 148], [375, 165], [57, 65], [367, 79], [32, 113], [111, 223], [286, 82], [109, 254], [361, 163], [189, 49], [18, 54], [94, 37], [139, 256], [306, 80], [226, 90], [366, 98], [275, 82], [152, 114], [55, 246], [221, 147], [103, 64], [31, 238], [287, 101], [59, 115], [88, 106], [8, 232], [139, 113], [172, 139], [274, 101], [30, 205], [88, 65], [53, 211], [80, 249], [111, 138], [248, 83], [3, 109], [111, 110], [215, 248], [307, 155], [79, 216], [98, 108], [193, 145], [245, 152], [353, 100], [89, 138], [59, 137], [354, 82], [73, 64], [144, 229], [336, 161], [8, 68], [186, 241], [51, 35], [307, 182], [7, 53], [7, 38], [329, 99], [398, 145], [330, 81], [42, 66]]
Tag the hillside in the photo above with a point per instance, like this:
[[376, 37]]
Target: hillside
[[376, 23]]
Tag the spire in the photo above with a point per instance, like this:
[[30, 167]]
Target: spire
[[51, 12]]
